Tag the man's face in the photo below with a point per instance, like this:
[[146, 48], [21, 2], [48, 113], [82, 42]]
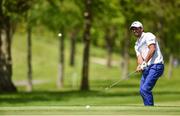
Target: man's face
[[137, 31]]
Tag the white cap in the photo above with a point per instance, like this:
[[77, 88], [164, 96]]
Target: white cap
[[136, 24]]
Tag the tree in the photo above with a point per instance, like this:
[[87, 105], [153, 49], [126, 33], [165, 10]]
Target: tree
[[73, 46], [29, 54], [6, 84], [86, 38], [110, 40], [75, 28], [60, 17], [55, 27], [10, 10], [31, 19], [127, 9], [108, 26]]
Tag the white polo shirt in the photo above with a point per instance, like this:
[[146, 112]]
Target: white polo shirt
[[141, 48]]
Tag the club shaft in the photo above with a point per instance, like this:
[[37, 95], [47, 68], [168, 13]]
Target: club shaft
[[121, 80], [115, 83]]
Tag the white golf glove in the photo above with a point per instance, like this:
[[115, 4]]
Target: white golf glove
[[143, 65]]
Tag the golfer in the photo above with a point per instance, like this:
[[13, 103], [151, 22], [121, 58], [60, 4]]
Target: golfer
[[149, 60]]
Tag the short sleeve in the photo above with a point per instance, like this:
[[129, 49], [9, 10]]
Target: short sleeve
[[150, 39]]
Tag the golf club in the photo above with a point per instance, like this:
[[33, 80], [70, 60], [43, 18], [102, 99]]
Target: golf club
[[115, 83]]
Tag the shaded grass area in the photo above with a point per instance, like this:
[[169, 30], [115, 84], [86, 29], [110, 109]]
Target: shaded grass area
[[64, 98], [70, 98]]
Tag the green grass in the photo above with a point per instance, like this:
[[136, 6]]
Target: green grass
[[93, 110], [122, 99]]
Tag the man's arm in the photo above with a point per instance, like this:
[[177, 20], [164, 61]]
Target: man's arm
[[152, 48], [139, 62]]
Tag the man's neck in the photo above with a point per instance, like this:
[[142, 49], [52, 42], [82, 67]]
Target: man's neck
[[140, 35]]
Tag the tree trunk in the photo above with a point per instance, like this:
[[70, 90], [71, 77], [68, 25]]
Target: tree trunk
[[125, 62], [29, 57], [109, 47], [109, 37], [170, 67], [109, 58], [6, 84], [73, 47], [86, 37], [60, 79]]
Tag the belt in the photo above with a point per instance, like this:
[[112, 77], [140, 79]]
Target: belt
[[157, 63]]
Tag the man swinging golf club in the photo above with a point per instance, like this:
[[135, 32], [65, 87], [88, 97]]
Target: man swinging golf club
[[149, 60]]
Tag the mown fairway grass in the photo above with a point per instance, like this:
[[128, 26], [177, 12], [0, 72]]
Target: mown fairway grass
[[46, 99], [93, 110]]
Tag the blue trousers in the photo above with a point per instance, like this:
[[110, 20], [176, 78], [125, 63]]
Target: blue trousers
[[148, 80]]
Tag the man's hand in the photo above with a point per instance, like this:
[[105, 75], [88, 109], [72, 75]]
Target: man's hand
[[143, 65], [138, 69]]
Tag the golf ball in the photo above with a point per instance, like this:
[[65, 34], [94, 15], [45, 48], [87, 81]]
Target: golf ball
[[87, 106]]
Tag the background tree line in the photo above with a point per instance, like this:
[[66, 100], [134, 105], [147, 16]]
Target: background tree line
[[102, 23]]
